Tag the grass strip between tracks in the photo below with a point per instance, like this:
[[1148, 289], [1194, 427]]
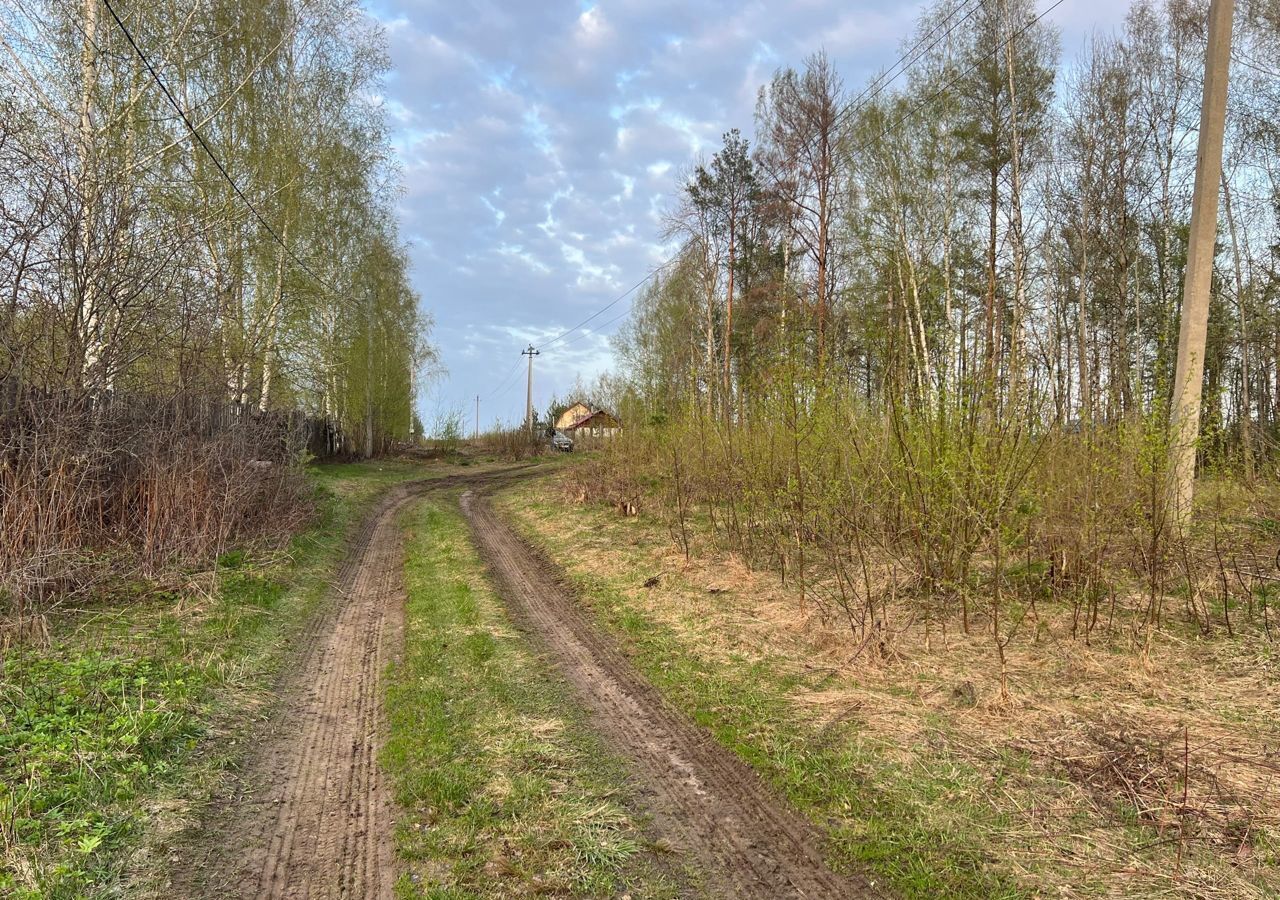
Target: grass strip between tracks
[[504, 789]]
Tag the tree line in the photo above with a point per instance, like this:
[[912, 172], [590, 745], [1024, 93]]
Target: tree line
[[200, 279], [917, 347], [998, 227], [197, 199]]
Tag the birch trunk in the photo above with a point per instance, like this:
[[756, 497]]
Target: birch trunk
[[1246, 405], [88, 315], [1019, 236], [272, 325]]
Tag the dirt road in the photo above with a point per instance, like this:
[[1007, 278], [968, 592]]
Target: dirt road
[[704, 800], [310, 815]]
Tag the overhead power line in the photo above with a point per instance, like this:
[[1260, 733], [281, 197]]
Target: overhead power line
[[905, 61], [954, 81], [506, 379], [195, 133], [910, 58], [612, 303], [596, 332]]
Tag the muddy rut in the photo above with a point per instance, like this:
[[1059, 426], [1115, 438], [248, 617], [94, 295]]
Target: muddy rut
[[309, 815], [704, 800]]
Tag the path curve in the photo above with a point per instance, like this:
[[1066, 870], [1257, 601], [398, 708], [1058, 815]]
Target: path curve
[[310, 816]]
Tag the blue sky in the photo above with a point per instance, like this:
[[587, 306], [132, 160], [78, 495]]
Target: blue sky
[[542, 140]]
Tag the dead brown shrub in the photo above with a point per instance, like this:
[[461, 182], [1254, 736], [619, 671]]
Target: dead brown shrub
[[93, 492], [510, 443]]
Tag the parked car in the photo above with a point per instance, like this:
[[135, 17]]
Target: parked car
[[562, 442]]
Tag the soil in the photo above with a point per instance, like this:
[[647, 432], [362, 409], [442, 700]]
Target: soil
[[703, 799], [310, 814]]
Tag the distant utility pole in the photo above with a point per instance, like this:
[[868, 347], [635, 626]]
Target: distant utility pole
[[477, 434], [1188, 382], [531, 353]]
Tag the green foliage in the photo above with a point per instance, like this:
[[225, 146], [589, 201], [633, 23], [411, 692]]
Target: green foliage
[[154, 272], [963, 306], [449, 429], [83, 737]]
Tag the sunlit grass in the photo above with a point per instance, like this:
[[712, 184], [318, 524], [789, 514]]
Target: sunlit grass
[[505, 790]]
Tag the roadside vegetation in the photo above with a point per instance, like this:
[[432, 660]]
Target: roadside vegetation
[[114, 727], [906, 400], [1097, 776], [203, 283], [204, 290], [505, 789]]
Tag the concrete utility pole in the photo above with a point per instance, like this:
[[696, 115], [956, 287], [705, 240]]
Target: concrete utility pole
[[531, 353], [477, 433], [1188, 382]]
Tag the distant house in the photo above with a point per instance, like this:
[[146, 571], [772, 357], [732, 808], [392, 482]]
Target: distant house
[[598, 424], [572, 416], [580, 420]]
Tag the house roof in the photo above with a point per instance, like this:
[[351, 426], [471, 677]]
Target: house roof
[[572, 413], [598, 418]]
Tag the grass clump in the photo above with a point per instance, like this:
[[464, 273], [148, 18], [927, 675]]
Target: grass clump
[[505, 790], [81, 737]]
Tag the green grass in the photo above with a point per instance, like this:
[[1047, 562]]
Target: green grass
[[912, 829], [110, 736], [505, 790]]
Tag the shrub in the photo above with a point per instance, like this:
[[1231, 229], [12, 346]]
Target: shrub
[[91, 493]]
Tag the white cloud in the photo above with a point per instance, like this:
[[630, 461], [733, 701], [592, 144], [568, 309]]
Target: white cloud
[[593, 30], [541, 143]]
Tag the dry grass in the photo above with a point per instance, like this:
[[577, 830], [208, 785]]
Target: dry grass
[[1108, 772]]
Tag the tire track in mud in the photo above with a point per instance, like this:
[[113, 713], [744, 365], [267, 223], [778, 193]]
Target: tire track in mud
[[703, 798], [310, 815]]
